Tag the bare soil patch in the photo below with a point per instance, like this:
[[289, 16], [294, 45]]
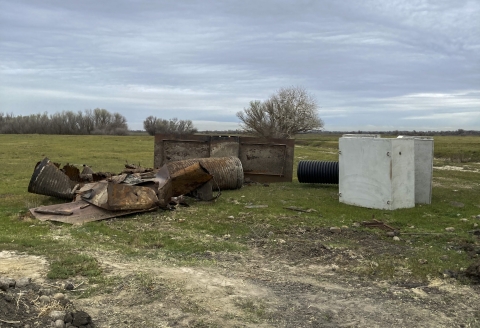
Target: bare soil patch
[[27, 303], [288, 278]]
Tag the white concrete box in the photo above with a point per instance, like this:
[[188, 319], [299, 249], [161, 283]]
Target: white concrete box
[[377, 172], [423, 168]]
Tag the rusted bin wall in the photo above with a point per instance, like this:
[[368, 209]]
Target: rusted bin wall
[[267, 160], [227, 171], [263, 160]]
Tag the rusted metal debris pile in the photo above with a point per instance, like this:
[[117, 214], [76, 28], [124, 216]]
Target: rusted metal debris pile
[[101, 195]]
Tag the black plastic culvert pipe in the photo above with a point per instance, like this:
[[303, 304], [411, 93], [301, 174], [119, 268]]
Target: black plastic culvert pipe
[[317, 172]]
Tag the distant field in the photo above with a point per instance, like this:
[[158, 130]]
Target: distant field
[[459, 149]]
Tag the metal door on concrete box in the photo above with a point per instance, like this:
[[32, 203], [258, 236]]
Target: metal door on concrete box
[[376, 172]]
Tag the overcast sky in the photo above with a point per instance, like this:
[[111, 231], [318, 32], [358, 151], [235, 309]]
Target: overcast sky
[[370, 64]]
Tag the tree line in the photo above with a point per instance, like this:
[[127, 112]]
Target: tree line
[[96, 121], [154, 125], [287, 112]]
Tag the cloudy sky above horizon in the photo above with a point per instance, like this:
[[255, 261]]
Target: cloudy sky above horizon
[[371, 65]]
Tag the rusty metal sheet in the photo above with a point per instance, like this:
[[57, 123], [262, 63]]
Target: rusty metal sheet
[[378, 224], [188, 179], [116, 197], [171, 147], [224, 146], [47, 179], [262, 159], [267, 160], [205, 192], [82, 212], [164, 186], [134, 168], [72, 172]]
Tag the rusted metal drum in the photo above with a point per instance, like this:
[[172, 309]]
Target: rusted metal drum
[[317, 172], [227, 171], [49, 180]]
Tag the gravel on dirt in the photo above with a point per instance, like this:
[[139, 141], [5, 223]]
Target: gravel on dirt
[[24, 304]]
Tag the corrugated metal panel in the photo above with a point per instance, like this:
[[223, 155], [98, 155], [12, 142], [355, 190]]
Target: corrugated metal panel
[[227, 171], [47, 179]]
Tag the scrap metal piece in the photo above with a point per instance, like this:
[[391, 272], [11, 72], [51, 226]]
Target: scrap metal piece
[[227, 171], [47, 179], [164, 187], [205, 192], [86, 174], [81, 213], [133, 168], [72, 172], [378, 224], [185, 180], [99, 176], [53, 212], [116, 197]]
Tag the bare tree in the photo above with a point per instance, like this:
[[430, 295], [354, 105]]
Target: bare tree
[[286, 113], [155, 125], [149, 125], [88, 121]]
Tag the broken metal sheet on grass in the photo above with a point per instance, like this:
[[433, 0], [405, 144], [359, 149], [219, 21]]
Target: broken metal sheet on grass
[[81, 212], [106, 199], [188, 179], [116, 197], [122, 194]]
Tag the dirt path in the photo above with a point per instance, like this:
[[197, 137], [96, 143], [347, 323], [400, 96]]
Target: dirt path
[[259, 288], [254, 291]]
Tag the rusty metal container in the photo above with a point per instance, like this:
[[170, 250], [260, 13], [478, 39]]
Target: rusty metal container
[[263, 160], [227, 171], [47, 179]]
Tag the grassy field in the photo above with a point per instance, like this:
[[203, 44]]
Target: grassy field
[[183, 234]]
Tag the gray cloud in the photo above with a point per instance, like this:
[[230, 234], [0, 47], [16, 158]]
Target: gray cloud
[[372, 64]]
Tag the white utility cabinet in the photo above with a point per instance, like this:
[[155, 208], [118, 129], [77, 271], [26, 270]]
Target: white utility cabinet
[[377, 172], [423, 168]]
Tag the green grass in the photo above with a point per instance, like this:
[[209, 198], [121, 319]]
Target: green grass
[[188, 233], [71, 265]]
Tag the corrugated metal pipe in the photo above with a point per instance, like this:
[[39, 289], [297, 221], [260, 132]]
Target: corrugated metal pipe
[[227, 171], [49, 180], [317, 172]]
